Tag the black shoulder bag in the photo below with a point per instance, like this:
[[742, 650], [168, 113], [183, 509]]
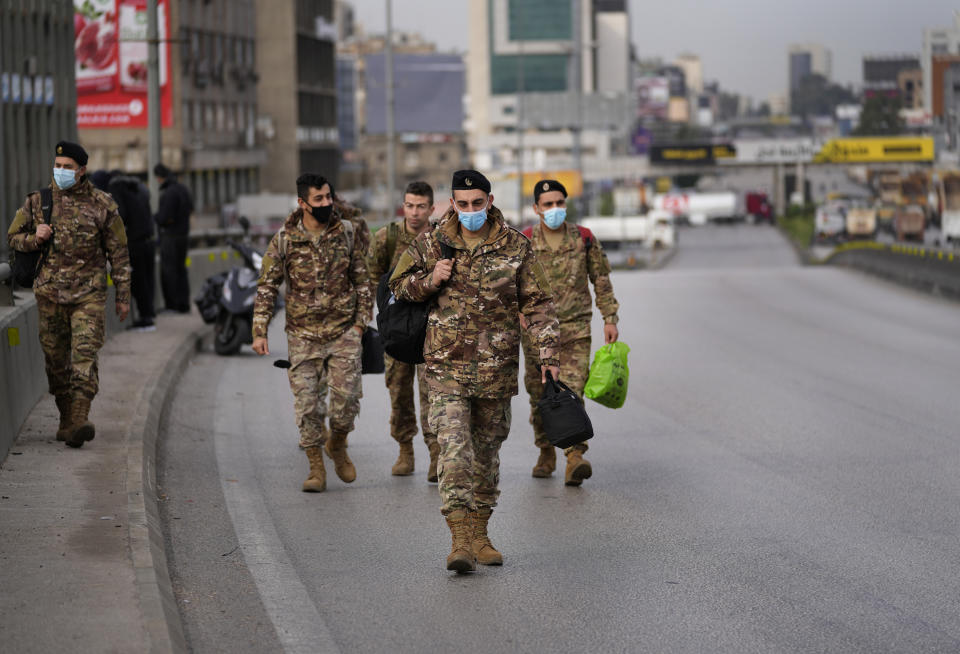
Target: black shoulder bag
[[26, 265], [565, 421]]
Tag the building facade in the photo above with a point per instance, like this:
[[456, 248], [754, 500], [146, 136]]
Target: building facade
[[297, 93], [212, 141], [38, 100], [881, 74], [937, 42]]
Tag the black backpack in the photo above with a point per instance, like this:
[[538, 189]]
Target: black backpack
[[26, 265], [403, 324]]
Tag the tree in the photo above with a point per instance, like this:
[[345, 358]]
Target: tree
[[880, 117]]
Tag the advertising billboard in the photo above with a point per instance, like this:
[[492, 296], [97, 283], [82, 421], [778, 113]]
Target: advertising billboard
[[692, 153], [876, 150], [110, 50], [653, 97]]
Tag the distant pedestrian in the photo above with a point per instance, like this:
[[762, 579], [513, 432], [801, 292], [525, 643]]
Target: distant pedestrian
[[84, 235], [388, 244], [173, 219], [329, 302], [133, 201], [572, 259], [472, 350]]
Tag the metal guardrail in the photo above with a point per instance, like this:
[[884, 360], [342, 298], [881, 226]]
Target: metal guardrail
[[4, 272], [209, 238]]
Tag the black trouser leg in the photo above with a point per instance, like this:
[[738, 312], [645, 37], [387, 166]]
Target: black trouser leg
[[173, 273], [142, 264]]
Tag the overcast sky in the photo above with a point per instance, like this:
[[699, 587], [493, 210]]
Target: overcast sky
[[742, 43]]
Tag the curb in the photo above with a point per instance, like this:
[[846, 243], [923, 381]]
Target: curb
[[161, 617]]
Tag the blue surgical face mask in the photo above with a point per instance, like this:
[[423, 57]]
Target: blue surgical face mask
[[554, 217], [472, 220], [64, 177]]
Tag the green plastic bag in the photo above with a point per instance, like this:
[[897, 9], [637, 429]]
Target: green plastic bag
[[609, 374]]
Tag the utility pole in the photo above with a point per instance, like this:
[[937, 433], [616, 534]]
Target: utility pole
[[576, 81], [520, 89], [153, 101], [391, 136]]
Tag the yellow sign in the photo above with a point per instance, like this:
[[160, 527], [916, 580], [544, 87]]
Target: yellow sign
[[13, 336], [876, 150], [569, 178]]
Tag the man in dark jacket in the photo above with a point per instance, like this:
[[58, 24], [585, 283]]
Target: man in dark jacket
[[133, 202], [173, 219]]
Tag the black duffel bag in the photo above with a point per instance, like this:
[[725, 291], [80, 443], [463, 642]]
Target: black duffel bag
[[565, 421], [26, 265], [372, 355]]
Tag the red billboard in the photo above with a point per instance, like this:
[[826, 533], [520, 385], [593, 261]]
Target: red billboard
[[111, 61]]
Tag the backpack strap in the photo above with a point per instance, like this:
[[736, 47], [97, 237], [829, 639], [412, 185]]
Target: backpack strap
[[348, 232], [587, 237], [393, 233], [46, 203]]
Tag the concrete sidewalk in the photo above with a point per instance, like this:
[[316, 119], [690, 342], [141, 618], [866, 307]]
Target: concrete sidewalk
[[82, 564]]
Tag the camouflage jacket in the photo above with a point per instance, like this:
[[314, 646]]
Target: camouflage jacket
[[328, 286], [354, 215], [568, 268], [87, 233], [473, 331], [381, 260]]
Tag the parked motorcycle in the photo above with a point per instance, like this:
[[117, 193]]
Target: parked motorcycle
[[226, 300]]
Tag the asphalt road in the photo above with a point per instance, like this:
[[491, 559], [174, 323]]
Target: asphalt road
[[783, 478]]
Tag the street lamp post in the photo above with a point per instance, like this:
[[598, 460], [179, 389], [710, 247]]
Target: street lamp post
[[391, 136], [153, 101]]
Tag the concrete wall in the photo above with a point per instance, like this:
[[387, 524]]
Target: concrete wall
[[927, 269], [22, 378]]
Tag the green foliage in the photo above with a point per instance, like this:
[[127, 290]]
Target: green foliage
[[798, 223], [880, 117], [607, 207], [817, 96]]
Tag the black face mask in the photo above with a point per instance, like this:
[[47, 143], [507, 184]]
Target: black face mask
[[321, 214]]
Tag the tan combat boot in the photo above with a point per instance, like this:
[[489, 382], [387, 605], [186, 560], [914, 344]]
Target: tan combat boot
[[317, 481], [484, 550], [461, 557], [404, 464], [546, 463], [81, 429], [63, 405], [337, 450], [432, 475], [578, 469]]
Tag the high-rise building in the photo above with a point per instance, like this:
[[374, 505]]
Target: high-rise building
[[524, 69], [692, 72], [937, 42], [210, 136], [297, 92], [807, 59], [881, 73]]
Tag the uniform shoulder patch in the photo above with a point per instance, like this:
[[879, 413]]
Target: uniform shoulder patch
[[528, 232]]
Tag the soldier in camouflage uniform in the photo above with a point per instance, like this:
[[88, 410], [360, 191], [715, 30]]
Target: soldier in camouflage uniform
[[328, 305], [354, 215], [85, 232], [471, 350], [388, 244], [570, 256]]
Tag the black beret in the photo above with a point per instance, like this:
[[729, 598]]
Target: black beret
[[467, 180], [162, 171], [73, 150], [545, 185]]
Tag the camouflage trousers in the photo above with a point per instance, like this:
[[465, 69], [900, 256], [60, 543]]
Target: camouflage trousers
[[317, 367], [403, 418], [470, 431], [71, 335], [574, 368]]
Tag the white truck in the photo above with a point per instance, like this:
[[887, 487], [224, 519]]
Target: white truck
[[699, 208]]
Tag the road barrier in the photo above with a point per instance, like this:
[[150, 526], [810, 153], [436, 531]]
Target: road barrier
[[933, 270], [22, 378]]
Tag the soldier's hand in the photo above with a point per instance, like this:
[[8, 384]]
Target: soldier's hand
[[123, 310], [260, 346], [44, 232], [359, 329], [442, 272], [554, 371], [524, 323], [610, 334]]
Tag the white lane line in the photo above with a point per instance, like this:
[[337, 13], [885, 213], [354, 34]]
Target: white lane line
[[295, 617]]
